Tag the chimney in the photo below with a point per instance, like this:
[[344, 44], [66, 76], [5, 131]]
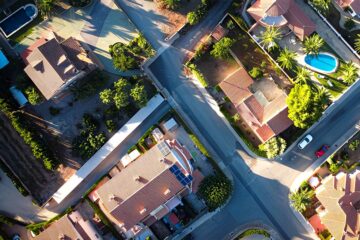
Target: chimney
[[111, 197], [167, 191], [137, 178], [142, 211]]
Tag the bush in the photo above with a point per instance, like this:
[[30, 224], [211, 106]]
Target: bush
[[349, 24], [54, 111], [193, 17], [197, 74], [110, 125], [256, 73], [215, 190], [334, 168], [253, 231], [33, 96], [91, 84], [139, 95], [273, 147], [353, 146]]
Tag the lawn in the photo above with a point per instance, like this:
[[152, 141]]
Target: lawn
[[338, 86]]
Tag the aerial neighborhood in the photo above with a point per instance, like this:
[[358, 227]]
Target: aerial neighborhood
[[180, 119]]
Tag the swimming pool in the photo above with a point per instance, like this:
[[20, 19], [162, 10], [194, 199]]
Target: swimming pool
[[18, 19], [323, 62]]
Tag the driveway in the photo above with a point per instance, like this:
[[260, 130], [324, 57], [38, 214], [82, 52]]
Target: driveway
[[98, 25]]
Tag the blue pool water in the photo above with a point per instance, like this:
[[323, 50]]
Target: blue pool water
[[19, 18], [322, 62]]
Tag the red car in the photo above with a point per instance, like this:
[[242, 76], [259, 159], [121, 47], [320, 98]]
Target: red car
[[321, 151]]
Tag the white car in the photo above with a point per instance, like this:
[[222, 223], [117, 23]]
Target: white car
[[306, 140]]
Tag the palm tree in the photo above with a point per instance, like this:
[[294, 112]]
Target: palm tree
[[322, 5], [303, 75], [269, 37], [323, 96], [45, 7], [313, 44], [357, 43], [301, 200], [349, 72], [287, 58]]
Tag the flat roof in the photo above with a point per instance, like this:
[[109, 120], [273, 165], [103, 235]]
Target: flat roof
[[107, 148]]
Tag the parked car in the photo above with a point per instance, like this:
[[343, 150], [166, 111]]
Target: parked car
[[322, 151], [305, 141]]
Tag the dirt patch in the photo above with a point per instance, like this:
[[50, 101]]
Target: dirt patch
[[176, 18], [17, 155], [216, 70]]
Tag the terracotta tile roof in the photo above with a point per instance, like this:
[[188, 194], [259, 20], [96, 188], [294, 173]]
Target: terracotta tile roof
[[31, 48], [219, 32], [142, 186], [356, 6], [265, 132], [236, 86], [255, 107], [73, 49], [337, 195], [277, 7], [280, 122]]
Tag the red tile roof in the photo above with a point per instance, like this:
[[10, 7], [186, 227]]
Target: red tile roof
[[280, 122], [355, 5], [219, 32], [277, 8]]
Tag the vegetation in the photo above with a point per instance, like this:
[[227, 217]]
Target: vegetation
[[128, 57], [286, 59], [305, 106], [45, 7], [349, 72], [349, 24], [313, 44], [90, 84], [197, 74], [215, 190], [221, 49], [256, 73], [90, 139], [33, 96], [79, 3], [273, 147], [30, 136], [354, 145], [195, 16], [301, 199], [303, 75], [139, 95], [357, 43], [322, 5], [253, 231], [270, 37]]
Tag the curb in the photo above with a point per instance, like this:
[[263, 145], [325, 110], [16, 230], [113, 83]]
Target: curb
[[254, 225]]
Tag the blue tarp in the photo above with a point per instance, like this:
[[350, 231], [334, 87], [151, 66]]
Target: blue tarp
[[3, 60], [19, 96]]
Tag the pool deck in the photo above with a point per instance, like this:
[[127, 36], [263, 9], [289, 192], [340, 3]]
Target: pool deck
[[99, 25]]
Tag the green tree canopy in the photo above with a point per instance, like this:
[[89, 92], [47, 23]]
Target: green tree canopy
[[106, 96], [139, 95], [270, 37], [349, 72], [313, 44], [215, 190], [119, 95], [273, 147], [301, 200], [45, 7], [303, 105], [170, 4], [286, 58], [322, 5], [193, 17], [221, 49], [303, 75]]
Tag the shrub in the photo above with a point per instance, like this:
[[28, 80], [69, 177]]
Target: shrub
[[197, 74], [123, 58], [349, 24], [273, 147], [139, 95], [33, 96], [256, 73], [193, 17], [345, 155], [215, 190], [334, 168], [221, 49], [353, 146], [110, 125]]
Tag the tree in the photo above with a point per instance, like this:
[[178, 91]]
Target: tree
[[357, 43], [170, 4], [236, 117], [303, 75], [193, 17], [33, 95], [273, 147], [45, 7], [301, 200], [256, 73], [121, 99], [215, 190], [323, 96], [313, 44], [322, 5], [354, 145], [221, 49], [303, 106], [139, 95], [106, 96], [349, 72], [123, 58], [286, 58], [269, 38]]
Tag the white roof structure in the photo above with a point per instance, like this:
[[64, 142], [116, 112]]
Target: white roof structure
[[107, 148], [170, 124], [157, 134]]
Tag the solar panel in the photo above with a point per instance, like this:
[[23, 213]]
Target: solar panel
[[164, 149]]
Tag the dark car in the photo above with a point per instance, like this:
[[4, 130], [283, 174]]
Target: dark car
[[321, 151]]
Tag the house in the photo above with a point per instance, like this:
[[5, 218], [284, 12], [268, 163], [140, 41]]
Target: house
[[340, 210], [352, 5], [146, 190], [71, 226], [282, 14], [261, 104], [53, 64]]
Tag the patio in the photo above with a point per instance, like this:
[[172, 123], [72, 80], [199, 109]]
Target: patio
[[99, 25]]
